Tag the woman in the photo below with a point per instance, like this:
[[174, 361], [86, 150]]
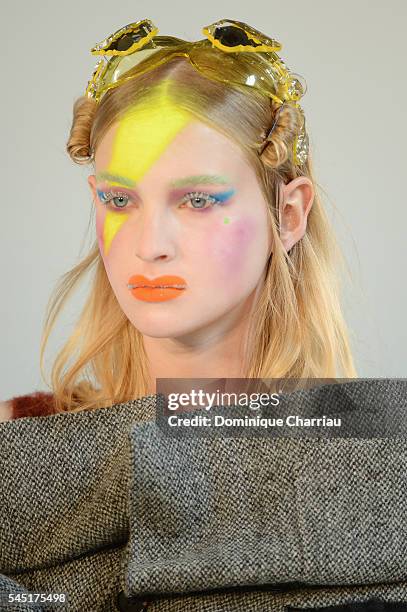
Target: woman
[[201, 180], [214, 258]]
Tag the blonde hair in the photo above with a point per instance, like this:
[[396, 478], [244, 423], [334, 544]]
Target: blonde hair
[[297, 328]]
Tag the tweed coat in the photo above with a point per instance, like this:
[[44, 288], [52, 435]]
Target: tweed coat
[[109, 509]]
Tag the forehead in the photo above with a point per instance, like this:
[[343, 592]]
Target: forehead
[[142, 134], [159, 130]]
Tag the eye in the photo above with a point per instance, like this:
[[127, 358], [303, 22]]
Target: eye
[[119, 199], [199, 200]]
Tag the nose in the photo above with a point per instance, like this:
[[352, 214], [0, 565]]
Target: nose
[[154, 234]]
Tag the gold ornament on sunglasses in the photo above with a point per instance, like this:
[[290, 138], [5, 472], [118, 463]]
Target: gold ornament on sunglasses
[[138, 45]]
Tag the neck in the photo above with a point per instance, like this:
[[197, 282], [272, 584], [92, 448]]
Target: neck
[[217, 351]]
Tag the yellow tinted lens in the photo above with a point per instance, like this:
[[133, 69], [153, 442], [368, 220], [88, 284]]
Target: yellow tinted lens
[[128, 39], [254, 70], [236, 36], [231, 36], [120, 68]]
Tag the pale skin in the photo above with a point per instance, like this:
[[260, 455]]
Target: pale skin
[[5, 411], [221, 252]]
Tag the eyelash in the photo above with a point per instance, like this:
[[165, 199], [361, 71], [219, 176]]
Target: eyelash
[[106, 197]]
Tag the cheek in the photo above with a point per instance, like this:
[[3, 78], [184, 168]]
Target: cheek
[[99, 232], [108, 224], [113, 255], [229, 247]]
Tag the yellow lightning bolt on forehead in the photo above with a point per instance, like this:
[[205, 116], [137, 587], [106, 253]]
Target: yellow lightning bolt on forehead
[[143, 133]]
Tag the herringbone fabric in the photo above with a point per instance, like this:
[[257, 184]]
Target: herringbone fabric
[[103, 501]]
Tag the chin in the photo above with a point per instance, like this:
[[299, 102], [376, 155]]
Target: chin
[[164, 332], [174, 327], [161, 325]]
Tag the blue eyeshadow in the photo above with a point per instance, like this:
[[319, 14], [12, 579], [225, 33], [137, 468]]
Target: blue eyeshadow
[[101, 194], [222, 197]]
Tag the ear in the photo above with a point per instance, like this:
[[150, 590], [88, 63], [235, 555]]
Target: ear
[[92, 185], [296, 200]]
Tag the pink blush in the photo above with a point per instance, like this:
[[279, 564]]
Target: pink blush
[[228, 244]]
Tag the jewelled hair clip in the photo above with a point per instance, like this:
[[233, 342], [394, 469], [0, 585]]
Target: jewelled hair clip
[[129, 46]]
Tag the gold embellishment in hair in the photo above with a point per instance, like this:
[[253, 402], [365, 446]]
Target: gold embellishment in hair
[[138, 45]]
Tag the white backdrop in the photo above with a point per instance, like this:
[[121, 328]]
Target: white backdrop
[[351, 55]]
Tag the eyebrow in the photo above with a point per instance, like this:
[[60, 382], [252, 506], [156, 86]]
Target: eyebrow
[[115, 178], [194, 179], [201, 179]]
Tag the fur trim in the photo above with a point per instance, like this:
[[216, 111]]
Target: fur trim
[[39, 403]]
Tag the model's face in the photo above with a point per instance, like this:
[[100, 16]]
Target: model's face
[[176, 198]]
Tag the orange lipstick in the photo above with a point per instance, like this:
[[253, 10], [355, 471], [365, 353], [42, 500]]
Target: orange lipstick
[[159, 289]]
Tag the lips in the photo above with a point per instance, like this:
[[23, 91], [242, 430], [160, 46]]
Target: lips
[[158, 289]]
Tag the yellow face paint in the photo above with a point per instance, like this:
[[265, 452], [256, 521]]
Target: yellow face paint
[[113, 222], [142, 135]]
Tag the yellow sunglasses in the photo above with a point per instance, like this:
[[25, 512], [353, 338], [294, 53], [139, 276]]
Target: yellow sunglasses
[[216, 57]]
